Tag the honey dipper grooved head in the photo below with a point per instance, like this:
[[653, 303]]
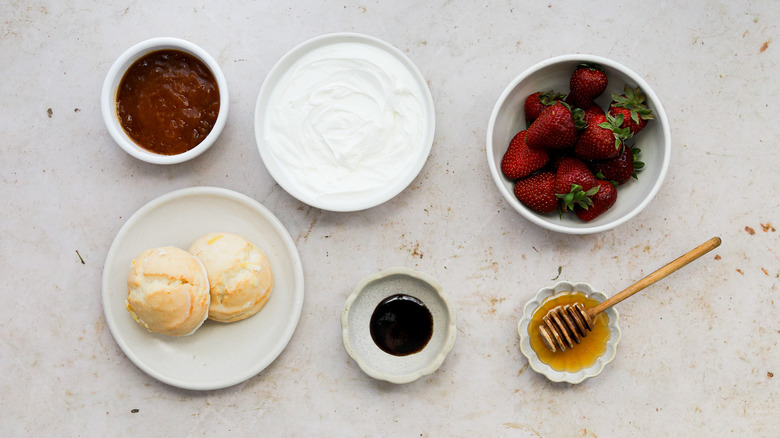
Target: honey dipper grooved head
[[565, 326]]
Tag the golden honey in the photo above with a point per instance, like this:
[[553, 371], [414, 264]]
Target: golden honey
[[584, 354]]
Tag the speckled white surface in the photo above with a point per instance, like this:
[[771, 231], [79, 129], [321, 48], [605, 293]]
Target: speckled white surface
[[699, 354]]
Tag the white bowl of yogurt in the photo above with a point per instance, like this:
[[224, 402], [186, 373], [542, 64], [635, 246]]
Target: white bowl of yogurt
[[344, 122]]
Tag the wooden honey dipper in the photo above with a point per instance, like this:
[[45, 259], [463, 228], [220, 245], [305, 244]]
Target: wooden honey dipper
[[565, 326]]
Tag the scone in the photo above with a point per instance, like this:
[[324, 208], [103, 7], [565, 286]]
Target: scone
[[168, 291], [239, 274]]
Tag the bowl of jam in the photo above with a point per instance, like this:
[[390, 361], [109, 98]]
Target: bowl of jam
[[588, 358], [398, 325], [165, 101]]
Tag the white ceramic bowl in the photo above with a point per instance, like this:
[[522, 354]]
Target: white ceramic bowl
[[114, 78], [541, 367], [508, 118], [360, 306], [326, 157]]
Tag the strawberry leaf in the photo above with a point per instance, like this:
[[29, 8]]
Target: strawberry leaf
[[600, 175], [613, 124], [634, 101], [590, 66], [578, 115], [577, 197], [638, 165], [549, 98]]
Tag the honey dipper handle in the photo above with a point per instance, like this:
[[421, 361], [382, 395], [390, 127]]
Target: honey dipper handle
[[670, 268]]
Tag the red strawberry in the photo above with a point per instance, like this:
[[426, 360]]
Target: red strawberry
[[586, 84], [632, 106], [574, 183], [537, 192], [537, 102], [620, 169], [602, 139], [572, 170], [556, 155], [603, 200], [555, 128], [592, 110], [519, 160]]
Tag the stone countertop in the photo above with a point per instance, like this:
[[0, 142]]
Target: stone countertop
[[699, 354]]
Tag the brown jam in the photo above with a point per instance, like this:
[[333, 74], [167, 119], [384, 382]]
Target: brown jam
[[401, 325], [584, 354], [168, 102]]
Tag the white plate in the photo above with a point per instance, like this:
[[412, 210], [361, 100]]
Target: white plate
[[304, 183], [217, 355]]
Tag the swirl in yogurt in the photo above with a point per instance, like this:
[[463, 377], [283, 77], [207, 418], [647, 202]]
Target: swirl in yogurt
[[346, 120]]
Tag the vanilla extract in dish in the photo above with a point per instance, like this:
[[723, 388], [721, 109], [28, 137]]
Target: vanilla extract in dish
[[401, 325]]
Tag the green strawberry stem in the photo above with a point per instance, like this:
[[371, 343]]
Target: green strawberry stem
[[577, 197], [634, 101], [638, 165], [577, 115], [548, 98], [613, 124], [591, 66]]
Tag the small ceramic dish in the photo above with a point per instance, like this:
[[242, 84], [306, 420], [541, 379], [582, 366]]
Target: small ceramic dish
[[116, 73], [344, 122], [508, 118], [356, 318], [545, 369]]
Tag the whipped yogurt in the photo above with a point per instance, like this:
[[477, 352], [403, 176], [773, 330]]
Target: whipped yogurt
[[346, 121]]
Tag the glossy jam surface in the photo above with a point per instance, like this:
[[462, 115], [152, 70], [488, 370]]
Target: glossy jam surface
[[168, 102], [401, 325], [584, 354]]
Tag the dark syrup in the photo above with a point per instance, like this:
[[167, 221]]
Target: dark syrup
[[401, 325]]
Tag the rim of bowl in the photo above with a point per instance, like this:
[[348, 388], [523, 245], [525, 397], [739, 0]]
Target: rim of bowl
[[278, 71], [117, 72], [660, 117], [437, 360], [533, 358]]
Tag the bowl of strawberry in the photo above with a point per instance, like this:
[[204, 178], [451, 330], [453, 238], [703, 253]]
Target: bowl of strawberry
[[578, 144]]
